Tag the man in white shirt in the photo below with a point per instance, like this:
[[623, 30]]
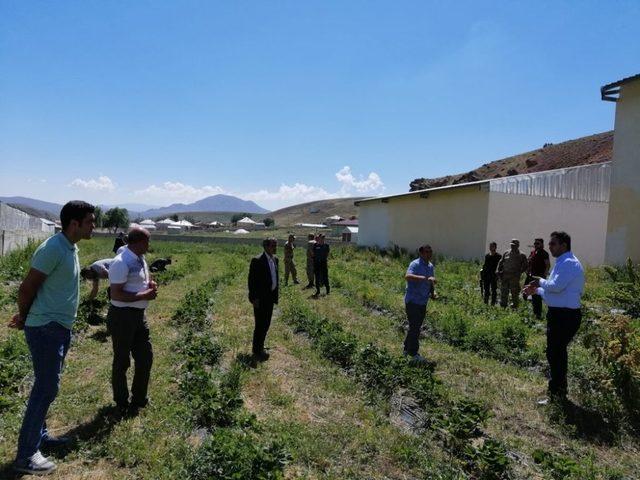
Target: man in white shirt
[[561, 292], [263, 294], [131, 289]]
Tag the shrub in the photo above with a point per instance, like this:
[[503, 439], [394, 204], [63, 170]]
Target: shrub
[[15, 362]]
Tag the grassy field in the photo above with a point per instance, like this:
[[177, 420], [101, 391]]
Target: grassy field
[[336, 400]]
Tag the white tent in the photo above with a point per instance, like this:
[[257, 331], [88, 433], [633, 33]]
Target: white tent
[[240, 231], [245, 221], [147, 222], [184, 224]]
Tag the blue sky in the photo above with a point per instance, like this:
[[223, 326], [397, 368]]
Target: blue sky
[[288, 101]]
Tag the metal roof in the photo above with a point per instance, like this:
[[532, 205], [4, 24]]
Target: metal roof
[[584, 182], [611, 91]]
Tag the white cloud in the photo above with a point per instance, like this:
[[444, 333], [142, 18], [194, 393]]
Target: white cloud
[[177, 192], [291, 194], [102, 184], [369, 184]]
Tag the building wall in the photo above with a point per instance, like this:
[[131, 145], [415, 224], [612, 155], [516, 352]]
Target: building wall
[[525, 217], [18, 227], [623, 229], [453, 222]]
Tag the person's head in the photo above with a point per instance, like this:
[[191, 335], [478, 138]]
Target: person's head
[[138, 238], [291, 238], [320, 239], [78, 220], [493, 246], [311, 236], [88, 273], [270, 245], [538, 244], [425, 252], [515, 244], [559, 243]]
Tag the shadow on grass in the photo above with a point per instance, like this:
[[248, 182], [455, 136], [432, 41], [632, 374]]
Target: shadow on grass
[[94, 430], [588, 425], [100, 335], [247, 360]]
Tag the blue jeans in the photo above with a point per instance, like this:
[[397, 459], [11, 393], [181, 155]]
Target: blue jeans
[[48, 345]]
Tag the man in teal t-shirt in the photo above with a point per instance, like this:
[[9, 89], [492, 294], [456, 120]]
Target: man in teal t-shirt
[[47, 307]]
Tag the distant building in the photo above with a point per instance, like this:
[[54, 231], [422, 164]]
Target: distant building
[[350, 234], [338, 227], [18, 227], [460, 220], [623, 226]]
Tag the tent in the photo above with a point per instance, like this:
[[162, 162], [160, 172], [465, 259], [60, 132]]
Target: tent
[[240, 231]]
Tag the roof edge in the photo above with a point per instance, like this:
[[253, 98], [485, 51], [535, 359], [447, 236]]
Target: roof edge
[[611, 91]]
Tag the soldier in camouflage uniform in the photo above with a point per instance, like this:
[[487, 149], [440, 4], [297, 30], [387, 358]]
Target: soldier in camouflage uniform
[[289, 266], [510, 269], [310, 272]]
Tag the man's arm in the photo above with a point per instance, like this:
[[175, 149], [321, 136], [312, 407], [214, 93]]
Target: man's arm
[[119, 294], [547, 267], [94, 289], [26, 294], [253, 281]]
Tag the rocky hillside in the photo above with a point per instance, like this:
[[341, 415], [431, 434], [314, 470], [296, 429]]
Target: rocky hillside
[[581, 151]]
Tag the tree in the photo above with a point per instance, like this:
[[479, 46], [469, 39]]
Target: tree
[[269, 222], [174, 217], [116, 218], [99, 214]]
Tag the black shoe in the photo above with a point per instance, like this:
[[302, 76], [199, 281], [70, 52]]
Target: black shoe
[[52, 443]]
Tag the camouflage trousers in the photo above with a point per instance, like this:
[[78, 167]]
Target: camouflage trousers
[[290, 268], [510, 285]]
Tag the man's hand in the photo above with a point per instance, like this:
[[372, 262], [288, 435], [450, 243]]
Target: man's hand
[[431, 279], [529, 289], [150, 294], [535, 281], [153, 285], [17, 322]]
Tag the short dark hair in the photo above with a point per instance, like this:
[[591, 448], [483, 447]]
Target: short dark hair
[[268, 241], [424, 247], [538, 240], [136, 235], [494, 243], [75, 210], [562, 237]]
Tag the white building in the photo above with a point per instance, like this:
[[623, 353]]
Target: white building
[[17, 228], [623, 228], [350, 234], [148, 224], [460, 220]]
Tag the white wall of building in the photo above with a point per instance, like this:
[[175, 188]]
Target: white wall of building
[[623, 229], [453, 221], [526, 217]]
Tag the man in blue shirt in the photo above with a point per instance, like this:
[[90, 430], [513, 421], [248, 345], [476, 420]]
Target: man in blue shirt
[[561, 292], [47, 307], [420, 282]]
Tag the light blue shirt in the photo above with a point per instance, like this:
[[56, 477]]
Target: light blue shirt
[[418, 292], [57, 298], [565, 284]]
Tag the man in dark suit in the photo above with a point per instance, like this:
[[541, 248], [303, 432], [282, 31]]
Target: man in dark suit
[[263, 293]]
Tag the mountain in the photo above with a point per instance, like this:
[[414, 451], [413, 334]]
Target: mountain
[[215, 203], [572, 153], [315, 212], [34, 205]]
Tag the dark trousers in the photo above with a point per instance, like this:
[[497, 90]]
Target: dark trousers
[[562, 325], [490, 284], [536, 301], [130, 337], [415, 316], [262, 315], [321, 270]]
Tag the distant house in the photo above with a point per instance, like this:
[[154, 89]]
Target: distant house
[[18, 227], [249, 224], [350, 234], [333, 219], [184, 224], [215, 224], [338, 227], [165, 224], [148, 224]]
